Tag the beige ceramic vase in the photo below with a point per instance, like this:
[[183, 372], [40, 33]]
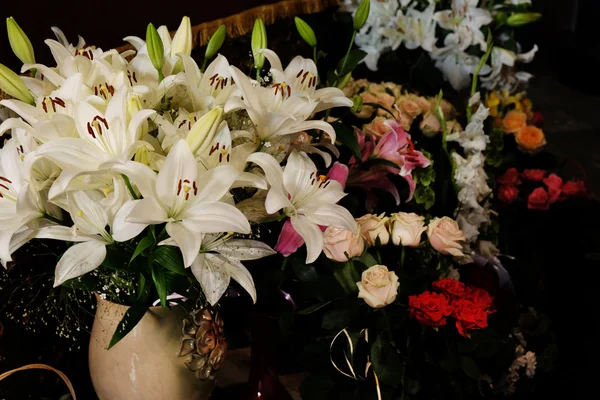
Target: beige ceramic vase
[[146, 364]]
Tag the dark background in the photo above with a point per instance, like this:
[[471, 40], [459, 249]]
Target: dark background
[[559, 247]]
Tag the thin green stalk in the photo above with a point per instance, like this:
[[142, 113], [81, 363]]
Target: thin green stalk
[[284, 263], [315, 54], [378, 256], [346, 57], [204, 65], [129, 187], [53, 219], [161, 76], [402, 257]]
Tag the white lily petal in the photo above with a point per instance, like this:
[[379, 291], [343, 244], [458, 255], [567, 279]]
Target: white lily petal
[[319, 125], [63, 233], [216, 217], [299, 175], [179, 165], [216, 182], [332, 215], [147, 211], [141, 175], [188, 241], [238, 272], [210, 271], [123, 230], [277, 197], [312, 235], [78, 260], [243, 249], [89, 216], [247, 179]]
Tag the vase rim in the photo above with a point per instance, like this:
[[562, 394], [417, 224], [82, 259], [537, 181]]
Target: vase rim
[[99, 298]]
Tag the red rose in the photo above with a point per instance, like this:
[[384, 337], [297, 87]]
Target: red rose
[[507, 193], [451, 287], [535, 175], [469, 316], [573, 188], [537, 118], [538, 200], [481, 298], [510, 177], [554, 184], [430, 309]]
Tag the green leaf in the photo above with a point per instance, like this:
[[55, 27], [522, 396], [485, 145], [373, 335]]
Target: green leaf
[[346, 137], [379, 161], [131, 318], [143, 245], [116, 258], [143, 290], [314, 308], [351, 61], [386, 362], [425, 195], [367, 259], [469, 367], [158, 276], [170, 258]]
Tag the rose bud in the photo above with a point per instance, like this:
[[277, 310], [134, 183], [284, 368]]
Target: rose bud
[[341, 244], [373, 227], [407, 228], [378, 286], [445, 236]]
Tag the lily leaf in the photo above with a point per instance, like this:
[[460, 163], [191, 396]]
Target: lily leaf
[[346, 136], [350, 62], [158, 276], [170, 258], [314, 308], [469, 367], [143, 245], [131, 318]]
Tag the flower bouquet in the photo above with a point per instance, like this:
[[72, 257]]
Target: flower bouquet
[[165, 175]]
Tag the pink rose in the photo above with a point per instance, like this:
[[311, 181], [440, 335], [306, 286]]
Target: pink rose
[[372, 227], [378, 286], [445, 236], [407, 229], [341, 244]]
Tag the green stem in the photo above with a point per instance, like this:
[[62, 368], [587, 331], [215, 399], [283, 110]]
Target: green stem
[[346, 57], [129, 186], [402, 257], [204, 65], [284, 263], [53, 219], [161, 76], [378, 256], [315, 54]]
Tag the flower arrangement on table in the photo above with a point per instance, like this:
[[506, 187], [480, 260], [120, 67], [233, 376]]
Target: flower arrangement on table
[[165, 175]]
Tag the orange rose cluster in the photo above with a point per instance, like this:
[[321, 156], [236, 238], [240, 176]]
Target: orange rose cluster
[[529, 137], [468, 306]]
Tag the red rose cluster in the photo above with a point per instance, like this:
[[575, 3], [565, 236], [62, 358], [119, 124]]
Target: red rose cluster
[[469, 306], [553, 189]]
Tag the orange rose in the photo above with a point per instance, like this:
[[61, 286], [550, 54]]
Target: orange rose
[[530, 138], [514, 121]]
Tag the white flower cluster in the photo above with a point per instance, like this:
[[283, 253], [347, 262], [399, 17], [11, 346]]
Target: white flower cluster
[[120, 146], [469, 174], [393, 23]]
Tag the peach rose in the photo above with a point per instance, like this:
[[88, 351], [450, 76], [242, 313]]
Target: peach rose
[[341, 244], [514, 121], [376, 88], [377, 127], [409, 105], [430, 125], [372, 227], [394, 88], [530, 138], [407, 228], [424, 104], [445, 236], [366, 111], [378, 286], [386, 101]]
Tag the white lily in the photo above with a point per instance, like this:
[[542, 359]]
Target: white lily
[[184, 198], [21, 205], [273, 110], [220, 260], [302, 77], [104, 140], [466, 20], [420, 29], [307, 198], [499, 59], [89, 232]]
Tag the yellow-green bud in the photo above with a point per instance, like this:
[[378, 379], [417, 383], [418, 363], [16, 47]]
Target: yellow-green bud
[[156, 50], [362, 13], [14, 86], [215, 43], [306, 32], [182, 41], [521, 19], [357, 104], [204, 130], [259, 42], [19, 42]]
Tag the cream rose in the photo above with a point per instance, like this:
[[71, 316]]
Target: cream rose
[[430, 125], [445, 236], [341, 244], [407, 228], [372, 227], [378, 286]]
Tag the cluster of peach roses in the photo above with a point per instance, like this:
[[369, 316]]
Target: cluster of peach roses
[[379, 286], [405, 107], [514, 115]]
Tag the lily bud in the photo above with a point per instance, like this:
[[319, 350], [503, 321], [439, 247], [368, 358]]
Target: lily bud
[[215, 43], [142, 155], [306, 32], [156, 50], [204, 130], [19, 42], [134, 105], [521, 19], [259, 42], [182, 41], [362, 13], [14, 86]]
